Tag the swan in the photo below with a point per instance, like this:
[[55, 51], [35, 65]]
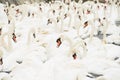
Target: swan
[[3, 14], [85, 30], [10, 35], [24, 54], [73, 46], [54, 22], [67, 21], [6, 48]]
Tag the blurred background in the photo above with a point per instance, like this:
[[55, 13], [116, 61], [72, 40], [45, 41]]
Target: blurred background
[[17, 2]]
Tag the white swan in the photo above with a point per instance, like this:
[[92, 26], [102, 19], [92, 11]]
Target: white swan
[[73, 46], [54, 22], [6, 48], [10, 35], [24, 52]]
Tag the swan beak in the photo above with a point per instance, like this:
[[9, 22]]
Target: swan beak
[[14, 38], [88, 12], [34, 35]]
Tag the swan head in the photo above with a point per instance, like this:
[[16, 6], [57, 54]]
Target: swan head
[[17, 11], [49, 21], [65, 16], [85, 24], [74, 56], [59, 42], [14, 37], [60, 7], [88, 11]]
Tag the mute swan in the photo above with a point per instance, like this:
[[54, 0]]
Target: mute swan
[[54, 22], [85, 30], [6, 48], [73, 46], [67, 21], [9, 36], [24, 54]]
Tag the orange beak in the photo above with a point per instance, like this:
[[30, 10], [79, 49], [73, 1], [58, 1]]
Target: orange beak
[[58, 43]]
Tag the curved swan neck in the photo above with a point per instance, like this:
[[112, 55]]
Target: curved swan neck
[[70, 42]]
